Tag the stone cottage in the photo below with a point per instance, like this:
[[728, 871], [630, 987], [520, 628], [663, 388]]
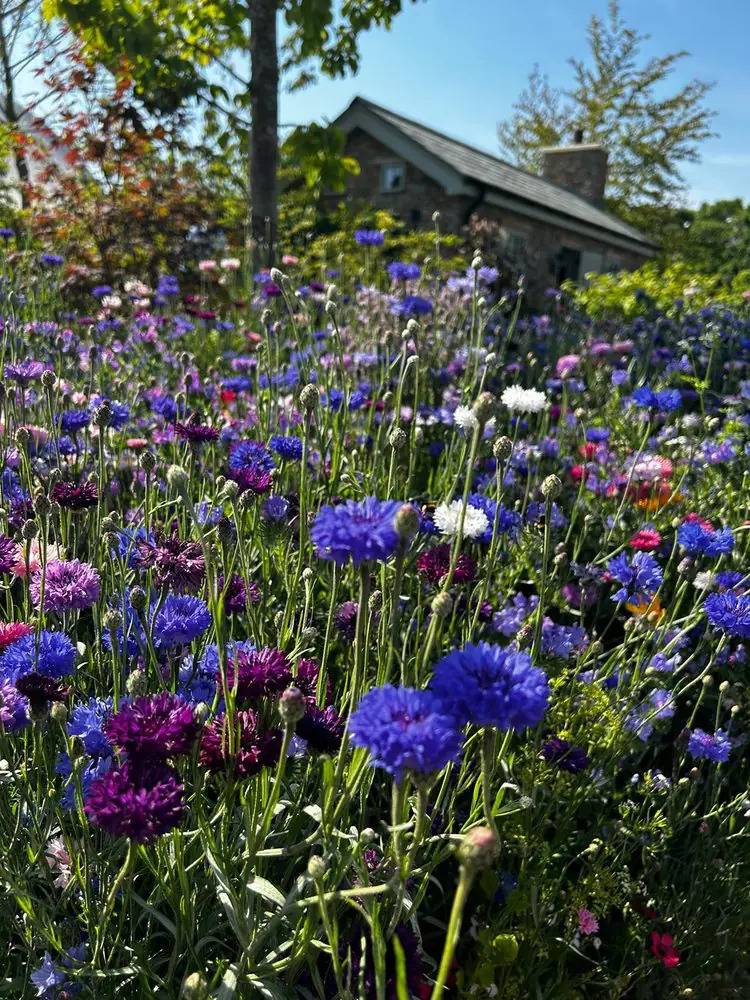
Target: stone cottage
[[553, 225]]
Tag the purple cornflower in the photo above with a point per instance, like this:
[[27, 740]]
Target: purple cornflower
[[658, 705], [54, 657], [258, 673], [640, 576], [255, 479], [9, 554], [40, 692], [361, 531], [134, 802], [491, 686], [195, 432], [24, 372], [154, 727], [399, 271], [729, 612], [238, 596], [345, 619], [73, 421], [704, 746], [275, 509], [562, 640], [176, 564], [73, 497], [253, 750], [289, 448], [568, 758], [68, 586], [369, 237], [13, 709], [180, 620], [321, 728], [405, 730], [250, 454]]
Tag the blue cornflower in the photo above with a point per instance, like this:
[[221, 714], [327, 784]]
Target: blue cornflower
[[412, 305], [57, 656], [665, 401], [400, 271], [47, 979], [250, 454], [509, 522], [640, 578], [369, 237], [51, 259], [562, 640], [491, 686], [180, 620], [405, 730], [99, 291], [696, 539], [509, 619], [87, 723], [73, 421], [120, 411], [289, 448], [658, 705], [729, 612], [91, 770], [275, 509], [361, 531], [702, 745], [597, 435]]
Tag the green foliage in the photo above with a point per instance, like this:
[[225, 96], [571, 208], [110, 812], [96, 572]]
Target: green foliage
[[636, 293], [618, 99]]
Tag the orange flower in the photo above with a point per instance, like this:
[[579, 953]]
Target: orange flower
[[652, 610]]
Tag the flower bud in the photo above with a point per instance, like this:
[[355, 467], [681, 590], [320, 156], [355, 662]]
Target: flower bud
[[309, 634], [291, 706], [551, 488], [502, 448], [307, 574], [407, 522], [48, 379], [375, 602], [398, 439], [112, 619], [277, 276], [135, 685], [59, 713], [103, 415], [177, 478], [201, 712], [22, 437], [42, 505], [229, 491], [148, 461], [29, 530], [137, 598], [484, 407], [442, 605], [479, 849], [367, 836], [317, 867], [195, 987], [309, 397]]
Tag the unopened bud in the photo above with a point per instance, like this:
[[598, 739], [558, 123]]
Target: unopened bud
[[398, 438], [29, 530], [502, 448], [291, 706], [103, 415], [484, 407], [135, 685], [112, 619], [177, 478], [479, 849], [375, 602], [148, 461], [137, 598], [309, 397], [551, 488], [48, 379], [407, 521], [317, 867], [442, 605], [195, 987], [59, 713]]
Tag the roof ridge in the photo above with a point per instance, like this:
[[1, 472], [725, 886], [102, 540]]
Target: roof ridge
[[387, 113]]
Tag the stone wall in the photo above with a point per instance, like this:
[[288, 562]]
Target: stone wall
[[579, 168]]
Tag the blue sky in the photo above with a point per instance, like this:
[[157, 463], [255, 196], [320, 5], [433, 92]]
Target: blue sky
[[458, 65]]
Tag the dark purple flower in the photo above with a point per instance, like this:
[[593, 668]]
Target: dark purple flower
[[566, 757], [253, 750], [321, 728], [238, 597], [141, 803], [435, 563], [41, 691], [259, 673], [73, 497], [176, 564], [195, 432], [154, 727], [345, 619], [254, 479]]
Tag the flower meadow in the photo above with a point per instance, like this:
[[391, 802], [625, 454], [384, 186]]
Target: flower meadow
[[370, 637]]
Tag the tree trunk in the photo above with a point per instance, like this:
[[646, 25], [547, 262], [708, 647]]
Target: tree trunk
[[11, 113], [264, 140]]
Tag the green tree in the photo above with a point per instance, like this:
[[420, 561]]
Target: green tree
[[620, 99], [180, 50]]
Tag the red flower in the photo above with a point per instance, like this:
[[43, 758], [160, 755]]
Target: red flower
[[13, 631], [663, 949], [645, 540], [227, 396], [697, 519]]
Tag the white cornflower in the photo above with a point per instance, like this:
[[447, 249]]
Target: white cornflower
[[520, 400], [447, 517], [704, 580], [464, 418], [230, 263]]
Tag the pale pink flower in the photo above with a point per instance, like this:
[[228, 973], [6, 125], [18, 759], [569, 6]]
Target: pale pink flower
[[206, 265], [53, 552], [289, 259], [58, 858], [566, 365], [587, 922]]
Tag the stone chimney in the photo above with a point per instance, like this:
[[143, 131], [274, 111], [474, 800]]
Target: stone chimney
[[580, 168]]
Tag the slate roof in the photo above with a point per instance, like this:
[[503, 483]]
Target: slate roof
[[491, 172]]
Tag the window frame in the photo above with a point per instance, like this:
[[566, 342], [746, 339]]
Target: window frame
[[384, 189]]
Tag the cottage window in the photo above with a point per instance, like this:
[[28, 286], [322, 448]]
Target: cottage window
[[392, 177], [567, 265]]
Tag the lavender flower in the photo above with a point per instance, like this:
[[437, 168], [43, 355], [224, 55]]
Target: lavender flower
[[68, 586]]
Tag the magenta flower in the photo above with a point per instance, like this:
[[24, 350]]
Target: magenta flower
[[135, 802], [154, 727]]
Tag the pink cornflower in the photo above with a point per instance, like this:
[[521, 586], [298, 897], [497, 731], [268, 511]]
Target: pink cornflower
[[566, 365], [662, 947], [645, 540], [587, 922]]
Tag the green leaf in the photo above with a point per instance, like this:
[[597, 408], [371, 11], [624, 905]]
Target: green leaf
[[262, 887]]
